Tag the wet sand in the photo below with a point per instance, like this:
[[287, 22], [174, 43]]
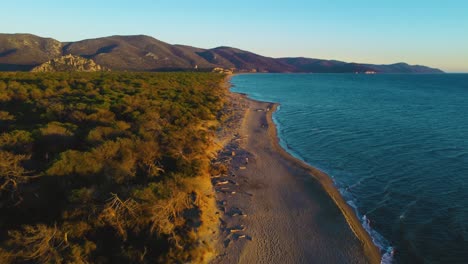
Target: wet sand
[[278, 209]]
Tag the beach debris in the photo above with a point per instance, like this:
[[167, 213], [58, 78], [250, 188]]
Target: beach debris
[[243, 236], [225, 191], [232, 182], [223, 223], [225, 159], [236, 229], [242, 168], [233, 153], [227, 242], [222, 182], [246, 193], [235, 211]]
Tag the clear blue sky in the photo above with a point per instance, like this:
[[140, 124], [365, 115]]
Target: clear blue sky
[[429, 32]]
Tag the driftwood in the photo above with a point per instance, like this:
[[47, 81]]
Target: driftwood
[[226, 191], [236, 229], [237, 237], [236, 212], [222, 182]]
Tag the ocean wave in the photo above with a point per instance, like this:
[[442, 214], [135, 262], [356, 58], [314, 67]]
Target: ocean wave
[[378, 240]]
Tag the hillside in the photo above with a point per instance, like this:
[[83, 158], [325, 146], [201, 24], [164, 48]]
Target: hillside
[[22, 52], [69, 63]]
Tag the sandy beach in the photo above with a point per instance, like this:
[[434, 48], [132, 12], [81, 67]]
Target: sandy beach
[[275, 208]]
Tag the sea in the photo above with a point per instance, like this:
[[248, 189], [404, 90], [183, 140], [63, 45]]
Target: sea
[[396, 146]]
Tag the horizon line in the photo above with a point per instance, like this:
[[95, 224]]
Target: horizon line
[[242, 49]]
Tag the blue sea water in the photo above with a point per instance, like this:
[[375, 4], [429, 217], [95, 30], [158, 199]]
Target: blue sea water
[[395, 145]]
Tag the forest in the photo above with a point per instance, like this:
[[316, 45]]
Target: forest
[[107, 167]]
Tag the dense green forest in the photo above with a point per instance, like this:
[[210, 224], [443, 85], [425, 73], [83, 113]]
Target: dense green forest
[[107, 167]]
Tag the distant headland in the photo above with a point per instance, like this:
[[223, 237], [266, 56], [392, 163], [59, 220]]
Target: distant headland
[[23, 52]]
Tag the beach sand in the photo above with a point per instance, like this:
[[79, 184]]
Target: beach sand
[[278, 209]]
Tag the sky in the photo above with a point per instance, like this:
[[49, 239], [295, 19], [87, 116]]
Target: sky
[[425, 32]]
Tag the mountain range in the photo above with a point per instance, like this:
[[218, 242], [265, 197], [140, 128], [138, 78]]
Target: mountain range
[[23, 52]]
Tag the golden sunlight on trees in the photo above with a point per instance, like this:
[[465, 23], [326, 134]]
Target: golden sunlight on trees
[[103, 167], [12, 172], [38, 243]]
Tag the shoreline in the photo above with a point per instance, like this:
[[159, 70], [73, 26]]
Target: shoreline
[[270, 200], [285, 204], [371, 250]]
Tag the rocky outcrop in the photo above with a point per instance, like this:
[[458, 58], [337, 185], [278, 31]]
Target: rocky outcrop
[[224, 71], [69, 63]]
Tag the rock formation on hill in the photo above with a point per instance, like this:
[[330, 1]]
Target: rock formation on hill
[[69, 63]]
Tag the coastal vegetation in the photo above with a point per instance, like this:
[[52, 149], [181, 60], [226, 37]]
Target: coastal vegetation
[[107, 167]]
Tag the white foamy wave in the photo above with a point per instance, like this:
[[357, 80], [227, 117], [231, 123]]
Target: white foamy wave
[[352, 204], [377, 239], [387, 257]]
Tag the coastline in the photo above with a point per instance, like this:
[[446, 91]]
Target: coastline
[[311, 206], [371, 250]]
